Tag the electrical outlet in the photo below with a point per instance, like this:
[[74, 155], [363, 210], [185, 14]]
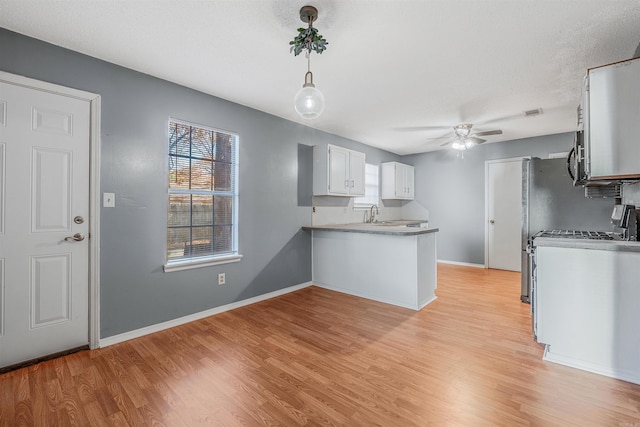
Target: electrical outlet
[[221, 279], [109, 200]]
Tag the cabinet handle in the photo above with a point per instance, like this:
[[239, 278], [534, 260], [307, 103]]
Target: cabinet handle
[[352, 183]]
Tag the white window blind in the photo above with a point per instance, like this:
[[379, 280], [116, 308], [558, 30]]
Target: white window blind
[[371, 187], [203, 196]]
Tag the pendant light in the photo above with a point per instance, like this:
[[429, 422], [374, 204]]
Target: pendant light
[[309, 101]]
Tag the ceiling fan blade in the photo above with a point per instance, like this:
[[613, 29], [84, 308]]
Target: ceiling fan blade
[[421, 128], [477, 140], [446, 143], [488, 132]]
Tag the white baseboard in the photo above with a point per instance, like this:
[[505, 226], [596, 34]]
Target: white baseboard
[[115, 339], [465, 264], [374, 298], [632, 377], [427, 302]]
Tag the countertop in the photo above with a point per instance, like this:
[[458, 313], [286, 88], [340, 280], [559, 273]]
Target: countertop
[[397, 228], [603, 245]]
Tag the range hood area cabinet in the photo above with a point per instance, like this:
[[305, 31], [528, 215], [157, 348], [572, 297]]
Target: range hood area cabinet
[[397, 181], [337, 171], [612, 121]]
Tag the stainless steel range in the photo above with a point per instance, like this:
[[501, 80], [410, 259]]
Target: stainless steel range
[[551, 202]]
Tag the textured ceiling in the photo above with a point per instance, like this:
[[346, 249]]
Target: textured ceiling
[[395, 74]]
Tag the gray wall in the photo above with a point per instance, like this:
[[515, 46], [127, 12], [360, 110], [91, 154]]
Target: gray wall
[[453, 188], [275, 194]]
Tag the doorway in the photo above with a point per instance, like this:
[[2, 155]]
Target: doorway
[[503, 189], [49, 213]]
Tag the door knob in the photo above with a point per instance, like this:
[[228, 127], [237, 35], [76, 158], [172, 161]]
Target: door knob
[[78, 237], [491, 221]]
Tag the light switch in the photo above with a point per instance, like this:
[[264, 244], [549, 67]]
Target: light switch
[[109, 200]]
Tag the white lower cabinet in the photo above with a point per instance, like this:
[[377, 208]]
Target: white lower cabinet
[[338, 171], [397, 181], [586, 308]]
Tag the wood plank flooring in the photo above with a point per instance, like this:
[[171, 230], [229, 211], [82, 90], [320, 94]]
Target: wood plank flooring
[[318, 357]]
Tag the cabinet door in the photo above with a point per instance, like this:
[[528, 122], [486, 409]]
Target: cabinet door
[[398, 176], [339, 181], [357, 173], [409, 182]]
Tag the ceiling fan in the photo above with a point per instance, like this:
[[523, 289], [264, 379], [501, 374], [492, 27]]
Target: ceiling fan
[[463, 139]]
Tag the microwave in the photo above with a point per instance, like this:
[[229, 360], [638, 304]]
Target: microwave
[[607, 143]]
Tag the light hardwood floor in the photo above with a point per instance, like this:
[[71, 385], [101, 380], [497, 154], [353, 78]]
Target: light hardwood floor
[[317, 357]]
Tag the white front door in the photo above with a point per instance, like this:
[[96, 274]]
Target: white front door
[[504, 212], [44, 223]]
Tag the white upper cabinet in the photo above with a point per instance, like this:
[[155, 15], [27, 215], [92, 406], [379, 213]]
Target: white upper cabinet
[[337, 171], [397, 181], [357, 172]]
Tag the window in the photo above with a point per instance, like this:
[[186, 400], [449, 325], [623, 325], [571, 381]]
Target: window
[[371, 188], [203, 198]]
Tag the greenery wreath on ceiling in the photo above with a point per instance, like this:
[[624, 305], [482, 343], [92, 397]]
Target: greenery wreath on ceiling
[[308, 39]]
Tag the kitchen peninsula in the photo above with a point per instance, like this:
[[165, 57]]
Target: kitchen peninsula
[[389, 262]]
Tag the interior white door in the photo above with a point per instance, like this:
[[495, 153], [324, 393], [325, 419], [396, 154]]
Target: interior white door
[[44, 212], [504, 210]]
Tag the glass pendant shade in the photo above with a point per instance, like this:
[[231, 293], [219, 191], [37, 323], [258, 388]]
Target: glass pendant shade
[[309, 102]]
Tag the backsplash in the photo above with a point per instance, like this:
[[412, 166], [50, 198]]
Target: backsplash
[[340, 210]]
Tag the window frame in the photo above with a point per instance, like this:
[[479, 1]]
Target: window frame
[[211, 259], [366, 205]]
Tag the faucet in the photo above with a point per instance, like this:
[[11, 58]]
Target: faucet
[[372, 215]]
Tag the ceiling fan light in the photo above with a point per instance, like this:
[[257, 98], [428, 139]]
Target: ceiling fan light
[[457, 146], [468, 143], [309, 102], [462, 131]]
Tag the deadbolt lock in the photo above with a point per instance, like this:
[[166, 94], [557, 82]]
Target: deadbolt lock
[[78, 220]]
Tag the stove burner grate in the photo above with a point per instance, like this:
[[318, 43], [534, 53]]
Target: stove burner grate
[[576, 234]]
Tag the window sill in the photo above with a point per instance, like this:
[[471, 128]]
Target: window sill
[[200, 262]]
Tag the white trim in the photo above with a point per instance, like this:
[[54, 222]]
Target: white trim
[[427, 302], [417, 307], [94, 188], [486, 201], [201, 262], [465, 264], [607, 371], [115, 339], [94, 223]]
